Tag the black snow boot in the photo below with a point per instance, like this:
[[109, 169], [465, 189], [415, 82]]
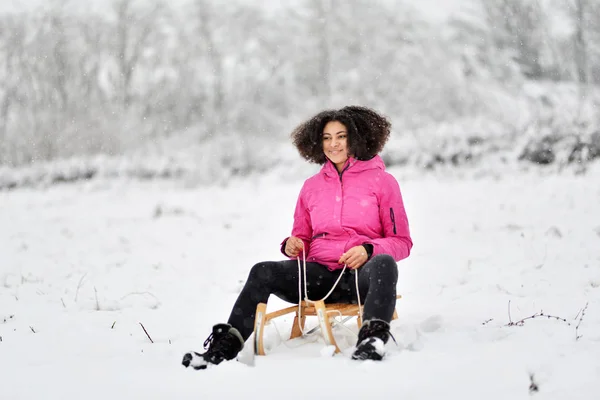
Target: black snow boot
[[372, 337], [224, 343]]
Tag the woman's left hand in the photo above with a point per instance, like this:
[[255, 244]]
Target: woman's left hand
[[355, 257]]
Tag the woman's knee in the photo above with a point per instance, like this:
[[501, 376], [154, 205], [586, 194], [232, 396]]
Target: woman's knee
[[384, 265], [261, 273]]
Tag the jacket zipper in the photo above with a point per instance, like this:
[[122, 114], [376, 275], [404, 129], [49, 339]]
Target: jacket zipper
[[344, 170], [342, 186], [393, 219]]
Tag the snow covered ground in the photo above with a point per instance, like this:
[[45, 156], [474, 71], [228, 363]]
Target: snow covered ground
[[81, 266]]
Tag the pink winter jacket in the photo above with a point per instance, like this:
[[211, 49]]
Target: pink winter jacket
[[336, 212]]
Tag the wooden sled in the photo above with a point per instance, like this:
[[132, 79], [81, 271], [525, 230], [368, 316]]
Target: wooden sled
[[317, 308]]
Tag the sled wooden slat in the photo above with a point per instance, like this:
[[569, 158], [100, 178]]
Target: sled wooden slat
[[319, 309]]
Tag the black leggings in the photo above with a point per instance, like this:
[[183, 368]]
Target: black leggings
[[376, 282]]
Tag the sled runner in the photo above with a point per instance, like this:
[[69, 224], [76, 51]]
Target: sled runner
[[314, 308]]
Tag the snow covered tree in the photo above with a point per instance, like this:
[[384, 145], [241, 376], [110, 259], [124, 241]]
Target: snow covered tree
[[506, 35], [12, 36], [136, 33]]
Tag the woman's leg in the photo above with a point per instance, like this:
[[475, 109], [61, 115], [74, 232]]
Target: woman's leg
[[377, 286], [281, 279]]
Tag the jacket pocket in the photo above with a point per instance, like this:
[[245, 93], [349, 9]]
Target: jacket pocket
[[393, 218]]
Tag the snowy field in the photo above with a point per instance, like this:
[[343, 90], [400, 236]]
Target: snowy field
[[81, 266]]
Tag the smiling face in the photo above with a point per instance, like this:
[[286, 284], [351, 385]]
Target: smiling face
[[335, 143]]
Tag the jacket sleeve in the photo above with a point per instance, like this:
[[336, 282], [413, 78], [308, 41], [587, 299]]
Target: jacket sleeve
[[302, 227], [396, 240]]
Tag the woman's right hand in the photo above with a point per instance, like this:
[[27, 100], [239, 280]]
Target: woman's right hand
[[293, 246]]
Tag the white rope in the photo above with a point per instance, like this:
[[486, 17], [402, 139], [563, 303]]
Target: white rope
[[306, 299], [339, 323], [360, 312], [282, 340]]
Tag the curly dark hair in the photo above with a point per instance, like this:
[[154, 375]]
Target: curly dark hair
[[368, 131]]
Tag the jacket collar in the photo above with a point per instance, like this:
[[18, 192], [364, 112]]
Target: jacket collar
[[353, 164]]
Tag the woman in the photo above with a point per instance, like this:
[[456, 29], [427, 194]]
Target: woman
[[350, 213]]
